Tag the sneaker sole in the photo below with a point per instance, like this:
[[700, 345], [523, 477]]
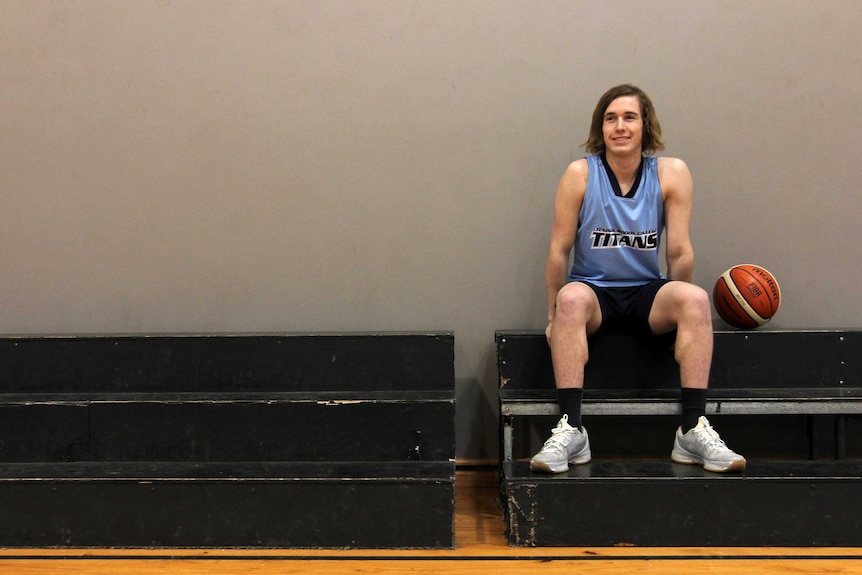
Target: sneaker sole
[[547, 468], [738, 465]]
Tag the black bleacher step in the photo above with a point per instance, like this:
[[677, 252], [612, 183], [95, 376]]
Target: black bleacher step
[[291, 505], [788, 394], [315, 396], [760, 359], [224, 362], [661, 503], [230, 427]]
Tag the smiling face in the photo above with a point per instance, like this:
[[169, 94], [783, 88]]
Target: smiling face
[[623, 126]]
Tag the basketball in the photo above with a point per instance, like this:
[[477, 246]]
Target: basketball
[[746, 296]]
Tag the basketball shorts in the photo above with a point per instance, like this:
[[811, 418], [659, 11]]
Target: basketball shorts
[[627, 309]]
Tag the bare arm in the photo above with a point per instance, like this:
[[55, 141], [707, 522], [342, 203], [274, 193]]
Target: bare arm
[[677, 188], [567, 206]]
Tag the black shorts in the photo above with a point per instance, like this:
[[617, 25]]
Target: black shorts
[[627, 309]]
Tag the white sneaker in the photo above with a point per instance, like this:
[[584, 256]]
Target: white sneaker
[[566, 445], [702, 446]]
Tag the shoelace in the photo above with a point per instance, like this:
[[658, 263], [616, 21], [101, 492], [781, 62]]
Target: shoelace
[[712, 439], [558, 441]]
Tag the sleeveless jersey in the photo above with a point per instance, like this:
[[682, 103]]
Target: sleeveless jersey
[[618, 238]]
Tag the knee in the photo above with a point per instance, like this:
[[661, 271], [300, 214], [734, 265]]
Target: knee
[[696, 304], [575, 302]]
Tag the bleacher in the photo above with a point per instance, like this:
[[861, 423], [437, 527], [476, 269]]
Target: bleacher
[[802, 500], [278, 440]]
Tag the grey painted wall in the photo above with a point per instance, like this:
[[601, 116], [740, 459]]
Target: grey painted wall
[[322, 165]]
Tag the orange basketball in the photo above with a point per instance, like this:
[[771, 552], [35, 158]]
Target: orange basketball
[[746, 296]]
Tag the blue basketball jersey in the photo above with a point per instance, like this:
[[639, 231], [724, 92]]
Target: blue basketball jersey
[[618, 238]]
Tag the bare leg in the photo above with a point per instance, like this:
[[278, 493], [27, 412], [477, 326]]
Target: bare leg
[[578, 315], [686, 307]]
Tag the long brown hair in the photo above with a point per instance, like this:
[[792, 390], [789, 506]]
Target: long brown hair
[[652, 141]]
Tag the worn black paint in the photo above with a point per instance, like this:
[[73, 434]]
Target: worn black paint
[[288, 440], [660, 503]]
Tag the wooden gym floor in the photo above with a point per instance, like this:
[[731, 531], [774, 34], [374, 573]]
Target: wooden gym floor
[[481, 549]]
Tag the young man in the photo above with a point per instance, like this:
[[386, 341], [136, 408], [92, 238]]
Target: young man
[[612, 208]]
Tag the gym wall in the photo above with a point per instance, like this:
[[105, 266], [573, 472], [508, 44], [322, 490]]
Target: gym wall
[[333, 165]]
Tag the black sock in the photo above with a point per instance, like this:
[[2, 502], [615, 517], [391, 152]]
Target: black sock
[[693, 406], [570, 404]]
